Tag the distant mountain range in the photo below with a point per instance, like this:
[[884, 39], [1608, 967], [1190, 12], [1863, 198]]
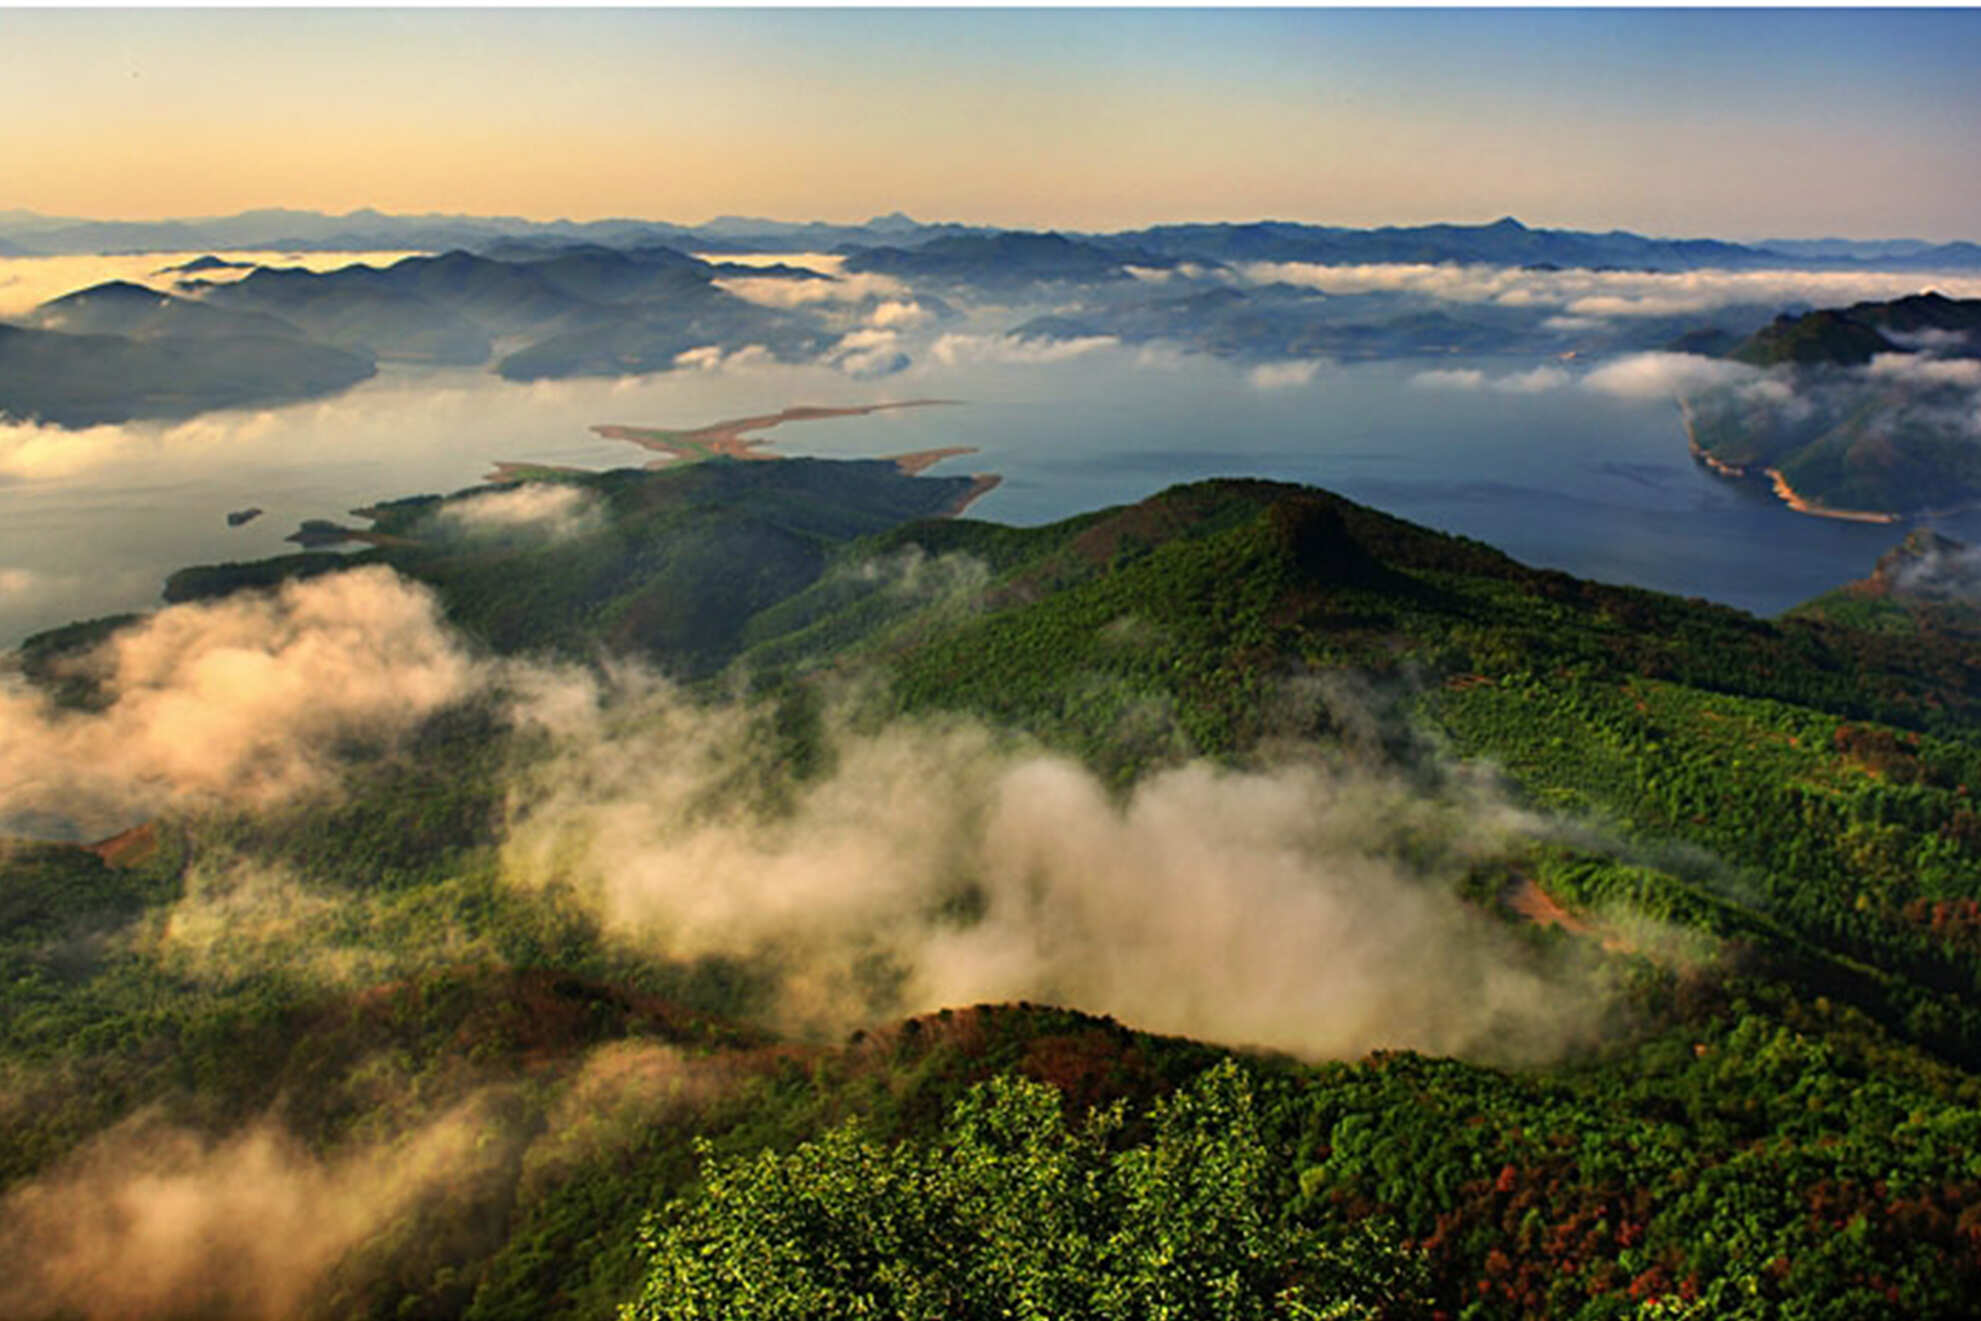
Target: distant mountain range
[[24, 233], [1504, 242], [612, 298]]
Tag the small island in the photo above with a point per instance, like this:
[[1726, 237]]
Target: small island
[[241, 516]]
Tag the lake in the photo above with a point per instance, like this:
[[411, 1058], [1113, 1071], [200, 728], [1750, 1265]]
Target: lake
[[1566, 477]]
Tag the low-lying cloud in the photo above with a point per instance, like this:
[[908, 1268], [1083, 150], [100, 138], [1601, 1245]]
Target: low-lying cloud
[[1590, 295], [1304, 906], [869, 353], [1536, 381], [27, 282], [1638, 376], [787, 294], [1930, 372], [896, 313], [551, 511], [1665, 375], [1284, 375], [713, 358], [1942, 575], [1188, 270], [244, 700], [957, 349], [1450, 378], [151, 1220]]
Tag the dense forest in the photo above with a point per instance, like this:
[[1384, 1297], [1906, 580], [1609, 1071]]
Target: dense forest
[[739, 891]]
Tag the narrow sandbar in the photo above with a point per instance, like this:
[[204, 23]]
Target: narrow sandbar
[[731, 439]]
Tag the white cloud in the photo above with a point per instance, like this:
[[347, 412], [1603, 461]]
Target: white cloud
[[27, 282], [1929, 340], [1663, 375], [895, 313], [771, 291], [956, 349], [1300, 907], [1188, 270], [242, 699], [1450, 378], [711, 358], [150, 1220], [1161, 356], [1921, 370], [1282, 375], [551, 510], [869, 353], [706, 358], [825, 263], [1533, 382], [1588, 293]]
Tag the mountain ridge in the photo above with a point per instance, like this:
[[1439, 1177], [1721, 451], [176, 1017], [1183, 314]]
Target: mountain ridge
[[1763, 864], [1505, 241]]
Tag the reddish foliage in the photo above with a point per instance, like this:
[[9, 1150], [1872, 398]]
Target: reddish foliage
[[1089, 1068], [1880, 752], [1955, 921]]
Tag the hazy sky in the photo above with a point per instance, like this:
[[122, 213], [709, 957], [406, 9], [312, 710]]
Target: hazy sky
[[1735, 123]]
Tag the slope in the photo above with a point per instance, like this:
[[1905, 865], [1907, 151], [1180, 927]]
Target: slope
[[1761, 827]]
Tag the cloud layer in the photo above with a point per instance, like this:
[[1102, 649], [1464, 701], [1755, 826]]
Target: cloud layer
[[149, 1220], [550, 511], [1636, 376], [243, 700], [957, 349], [1600, 295], [27, 282], [1304, 907]]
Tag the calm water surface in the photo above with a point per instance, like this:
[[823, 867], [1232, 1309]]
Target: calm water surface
[[91, 522]]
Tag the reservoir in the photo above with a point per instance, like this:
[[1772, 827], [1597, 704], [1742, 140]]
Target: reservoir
[[1555, 473]]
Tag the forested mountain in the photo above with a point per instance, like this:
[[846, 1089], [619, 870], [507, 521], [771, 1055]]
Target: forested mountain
[[118, 351], [1866, 415], [83, 379], [738, 890], [1852, 336]]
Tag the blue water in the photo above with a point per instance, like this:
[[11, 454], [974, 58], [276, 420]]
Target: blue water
[[1570, 479], [1600, 487]]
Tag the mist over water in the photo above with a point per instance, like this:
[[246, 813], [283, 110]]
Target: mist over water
[[1573, 478]]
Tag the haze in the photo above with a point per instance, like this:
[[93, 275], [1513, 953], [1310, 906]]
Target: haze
[[1737, 124]]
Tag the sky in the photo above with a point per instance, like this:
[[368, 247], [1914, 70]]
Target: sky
[[1738, 124]]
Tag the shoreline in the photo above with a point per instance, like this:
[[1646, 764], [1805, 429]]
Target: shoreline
[[1787, 494], [981, 485], [1801, 504], [731, 439]]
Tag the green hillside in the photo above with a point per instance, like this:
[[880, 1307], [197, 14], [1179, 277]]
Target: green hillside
[[1832, 337], [396, 1023], [1839, 437]]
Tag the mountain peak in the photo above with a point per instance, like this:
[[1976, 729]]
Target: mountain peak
[[109, 290]]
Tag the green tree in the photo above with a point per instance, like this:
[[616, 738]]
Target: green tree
[[1013, 1213]]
